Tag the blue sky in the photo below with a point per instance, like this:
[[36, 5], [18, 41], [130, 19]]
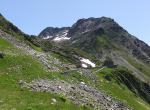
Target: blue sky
[[32, 16]]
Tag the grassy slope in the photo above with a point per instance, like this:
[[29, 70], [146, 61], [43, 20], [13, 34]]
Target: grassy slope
[[120, 91], [144, 68], [16, 66]]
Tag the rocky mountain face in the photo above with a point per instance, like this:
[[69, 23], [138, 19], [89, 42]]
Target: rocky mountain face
[[86, 34], [50, 32], [102, 38], [93, 65]]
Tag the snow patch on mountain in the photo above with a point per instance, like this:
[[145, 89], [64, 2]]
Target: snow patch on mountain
[[87, 61], [62, 36], [48, 37], [84, 65]]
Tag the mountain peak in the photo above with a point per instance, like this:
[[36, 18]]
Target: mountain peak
[[103, 18], [82, 26], [90, 24]]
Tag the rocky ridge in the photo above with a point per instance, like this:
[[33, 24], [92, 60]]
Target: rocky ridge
[[46, 58], [51, 33]]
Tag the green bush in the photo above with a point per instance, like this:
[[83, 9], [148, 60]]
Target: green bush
[[1, 55]]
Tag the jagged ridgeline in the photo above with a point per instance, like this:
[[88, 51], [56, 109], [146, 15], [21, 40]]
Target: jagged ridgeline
[[93, 65]]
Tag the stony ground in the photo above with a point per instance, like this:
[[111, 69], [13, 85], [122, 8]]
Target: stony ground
[[79, 93]]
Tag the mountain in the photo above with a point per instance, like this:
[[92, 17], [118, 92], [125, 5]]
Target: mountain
[[93, 65], [103, 37], [114, 34]]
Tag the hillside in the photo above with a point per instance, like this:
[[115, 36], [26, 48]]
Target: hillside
[[74, 68]]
